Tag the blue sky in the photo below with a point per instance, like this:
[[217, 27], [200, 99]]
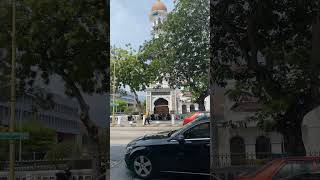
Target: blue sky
[[130, 21]]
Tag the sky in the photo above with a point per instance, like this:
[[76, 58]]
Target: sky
[[130, 21]]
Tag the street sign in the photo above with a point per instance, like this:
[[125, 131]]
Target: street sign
[[13, 136]]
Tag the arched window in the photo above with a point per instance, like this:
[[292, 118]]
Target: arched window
[[237, 150], [263, 147], [192, 108], [184, 109]]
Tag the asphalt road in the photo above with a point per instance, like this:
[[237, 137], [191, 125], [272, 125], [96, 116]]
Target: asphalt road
[[119, 137]]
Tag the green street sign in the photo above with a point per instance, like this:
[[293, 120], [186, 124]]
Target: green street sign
[[13, 136]]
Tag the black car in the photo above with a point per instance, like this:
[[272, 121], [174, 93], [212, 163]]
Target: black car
[[186, 150]]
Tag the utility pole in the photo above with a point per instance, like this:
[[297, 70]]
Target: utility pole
[[20, 141], [114, 88], [13, 93]]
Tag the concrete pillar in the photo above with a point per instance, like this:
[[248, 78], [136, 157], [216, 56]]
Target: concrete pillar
[[172, 118], [143, 119], [119, 120]]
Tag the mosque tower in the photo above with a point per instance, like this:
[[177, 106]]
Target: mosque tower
[[157, 16]]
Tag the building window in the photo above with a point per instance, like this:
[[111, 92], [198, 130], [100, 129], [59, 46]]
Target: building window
[[263, 147], [237, 150], [192, 108], [184, 109]]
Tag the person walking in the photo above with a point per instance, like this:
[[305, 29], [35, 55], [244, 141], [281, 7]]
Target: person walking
[[147, 119]]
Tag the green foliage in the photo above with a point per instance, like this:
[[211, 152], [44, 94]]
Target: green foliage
[[181, 53], [41, 138], [130, 70], [121, 105], [67, 39], [271, 49], [64, 150], [128, 110]]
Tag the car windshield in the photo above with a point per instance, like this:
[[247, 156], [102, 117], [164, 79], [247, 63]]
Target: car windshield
[[183, 128], [171, 132]]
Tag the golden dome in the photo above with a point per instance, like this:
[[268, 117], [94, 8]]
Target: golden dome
[[159, 6]]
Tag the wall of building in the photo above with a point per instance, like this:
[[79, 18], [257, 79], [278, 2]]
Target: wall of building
[[63, 117]]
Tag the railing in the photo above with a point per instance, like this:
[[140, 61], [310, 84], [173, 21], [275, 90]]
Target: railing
[[84, 174], [244, 159], [47, 165], [228, 166]]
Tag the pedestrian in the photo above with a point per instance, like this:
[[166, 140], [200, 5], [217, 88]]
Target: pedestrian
[[68, 173], [168, 117], [147, 119], [130, 117]]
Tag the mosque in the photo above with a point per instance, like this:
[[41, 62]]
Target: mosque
[[160, 98]]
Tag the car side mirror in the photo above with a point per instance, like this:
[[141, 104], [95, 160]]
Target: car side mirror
[[181, 139]]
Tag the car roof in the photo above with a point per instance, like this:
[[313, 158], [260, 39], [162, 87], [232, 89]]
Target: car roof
[[298, 158]]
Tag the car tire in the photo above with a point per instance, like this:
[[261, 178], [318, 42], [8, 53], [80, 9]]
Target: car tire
[[143, 166]]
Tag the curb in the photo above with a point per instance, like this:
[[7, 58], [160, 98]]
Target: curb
[[151, 125]]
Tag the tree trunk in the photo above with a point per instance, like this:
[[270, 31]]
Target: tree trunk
[[316, 40], [94, 144], [293, 143], [200, 101], [201, 105], [140, 109], [291, 126]]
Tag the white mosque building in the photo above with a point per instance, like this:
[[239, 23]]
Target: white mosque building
[[160, 97]]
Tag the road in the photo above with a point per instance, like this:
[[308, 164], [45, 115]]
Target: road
[[119, 137]]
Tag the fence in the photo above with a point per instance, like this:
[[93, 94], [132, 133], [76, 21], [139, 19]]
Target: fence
[[119, 119], [47, 165], [83, 174]]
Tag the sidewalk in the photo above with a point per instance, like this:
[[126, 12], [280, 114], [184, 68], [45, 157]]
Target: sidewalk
[[139, 123]]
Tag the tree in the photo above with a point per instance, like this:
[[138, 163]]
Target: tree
[[131, 71], [181, 52], [64, 150], [41, 139], [67, 39], [271, 48], [121, 105]]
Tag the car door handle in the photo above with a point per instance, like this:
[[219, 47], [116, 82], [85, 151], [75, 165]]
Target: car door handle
[[208, 145]]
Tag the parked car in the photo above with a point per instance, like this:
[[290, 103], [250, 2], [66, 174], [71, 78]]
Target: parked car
[[194, 116], [306, 176], [284, 168], [186, 150]]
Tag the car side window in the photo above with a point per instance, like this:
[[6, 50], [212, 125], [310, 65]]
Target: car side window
[[293, 168], [199, 131], [302, 167]]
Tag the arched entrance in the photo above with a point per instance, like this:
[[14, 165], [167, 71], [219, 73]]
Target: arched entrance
[[237, 150], [192, 108], [263, 147], [184, 109], [161, 106]]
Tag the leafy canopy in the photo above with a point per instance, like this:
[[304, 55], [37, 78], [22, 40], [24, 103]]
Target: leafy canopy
[[181, 52]]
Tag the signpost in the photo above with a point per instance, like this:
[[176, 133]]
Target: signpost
[[13, 136]]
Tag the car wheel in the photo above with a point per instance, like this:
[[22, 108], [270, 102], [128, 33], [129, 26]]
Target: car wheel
[[143, 166]]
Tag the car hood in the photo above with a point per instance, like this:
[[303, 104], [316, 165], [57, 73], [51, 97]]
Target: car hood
[[151, 139]]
